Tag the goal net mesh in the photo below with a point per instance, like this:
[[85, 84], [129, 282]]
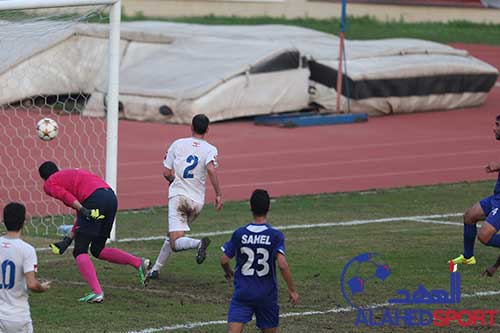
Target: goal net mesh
[[49, 68]]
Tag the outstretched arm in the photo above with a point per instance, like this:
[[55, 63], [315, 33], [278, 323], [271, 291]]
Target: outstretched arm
[[287, 276], [228, 272], [214, 179]]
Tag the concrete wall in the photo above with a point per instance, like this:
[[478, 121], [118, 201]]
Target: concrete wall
[[302, 9]]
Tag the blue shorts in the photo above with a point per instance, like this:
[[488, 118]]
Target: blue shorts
[[266, 313], [491, 206]]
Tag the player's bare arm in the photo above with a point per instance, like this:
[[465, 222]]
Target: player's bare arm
[[287, 276], [169, 175], [214, 179], [34, 285], [228, 272], [77, 205], [492, 167]]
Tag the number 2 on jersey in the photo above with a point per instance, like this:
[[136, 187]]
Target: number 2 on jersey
[[192, 161], [247, 269], [8, 281]]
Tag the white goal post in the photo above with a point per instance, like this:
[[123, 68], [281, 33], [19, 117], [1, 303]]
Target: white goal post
[[111, 145]]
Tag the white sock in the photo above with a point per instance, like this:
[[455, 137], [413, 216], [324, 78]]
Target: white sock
[[186, 243], [165, 252]]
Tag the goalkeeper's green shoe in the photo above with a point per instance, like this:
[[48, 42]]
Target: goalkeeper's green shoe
[[92, 298], [60, 247], [143, 272], [461, 260]]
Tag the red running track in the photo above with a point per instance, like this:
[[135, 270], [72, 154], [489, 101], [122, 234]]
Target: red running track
[[385, 152]]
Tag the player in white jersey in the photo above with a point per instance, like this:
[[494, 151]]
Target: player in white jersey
[[187, 163], [18, 265]]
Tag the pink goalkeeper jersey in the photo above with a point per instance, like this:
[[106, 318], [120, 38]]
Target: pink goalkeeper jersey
[[73, 184]]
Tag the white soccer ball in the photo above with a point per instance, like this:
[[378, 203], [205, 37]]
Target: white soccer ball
[[47, 129]]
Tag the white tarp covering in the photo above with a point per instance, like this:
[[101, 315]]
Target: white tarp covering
[[210, 69], [491, 3], [171, 71]]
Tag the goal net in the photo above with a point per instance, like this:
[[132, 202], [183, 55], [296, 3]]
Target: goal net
[[49, 67]]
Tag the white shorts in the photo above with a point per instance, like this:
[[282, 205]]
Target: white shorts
[[14, 326], [182, 211]]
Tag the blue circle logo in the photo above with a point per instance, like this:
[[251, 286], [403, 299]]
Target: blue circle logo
[[357, 275]]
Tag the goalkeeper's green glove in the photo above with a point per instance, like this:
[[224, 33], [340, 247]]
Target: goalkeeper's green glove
[[93, 214]]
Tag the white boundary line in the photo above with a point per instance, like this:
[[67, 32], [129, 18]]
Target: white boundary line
[[418, 218], [425, 219], [295, 314], [436, 222]]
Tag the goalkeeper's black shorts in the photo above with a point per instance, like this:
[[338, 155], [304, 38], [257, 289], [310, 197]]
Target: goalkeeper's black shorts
[[105, 200]]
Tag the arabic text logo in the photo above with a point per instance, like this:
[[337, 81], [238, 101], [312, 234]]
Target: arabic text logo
[[369, 269]]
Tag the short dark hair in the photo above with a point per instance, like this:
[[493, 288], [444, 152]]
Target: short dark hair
[[47, 169], [14, 215], [260, 202], [200, 124]]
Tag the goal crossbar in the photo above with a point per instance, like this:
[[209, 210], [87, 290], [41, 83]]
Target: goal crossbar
[[37, 4]]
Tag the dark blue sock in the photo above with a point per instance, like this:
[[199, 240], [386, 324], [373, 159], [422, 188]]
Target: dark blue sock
[[494, 241], [470, 232]]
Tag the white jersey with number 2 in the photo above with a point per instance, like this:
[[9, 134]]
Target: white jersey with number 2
[[189, 157]]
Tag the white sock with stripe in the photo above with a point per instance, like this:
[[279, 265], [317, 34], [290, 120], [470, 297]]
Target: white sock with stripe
[[165, 252], [186, 243]]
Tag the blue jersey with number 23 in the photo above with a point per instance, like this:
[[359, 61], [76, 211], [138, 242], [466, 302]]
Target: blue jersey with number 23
[[255, 247]]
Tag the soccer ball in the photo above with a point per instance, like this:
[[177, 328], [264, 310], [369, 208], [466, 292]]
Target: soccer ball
[[47, 129]]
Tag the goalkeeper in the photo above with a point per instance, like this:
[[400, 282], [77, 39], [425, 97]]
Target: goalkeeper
[[96, 206]]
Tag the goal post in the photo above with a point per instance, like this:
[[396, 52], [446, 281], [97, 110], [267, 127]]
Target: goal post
[[112, 104], [23, 69]]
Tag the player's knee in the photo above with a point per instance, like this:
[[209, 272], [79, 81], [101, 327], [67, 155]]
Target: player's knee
[[172, 241], [172, 246], [468, 217]]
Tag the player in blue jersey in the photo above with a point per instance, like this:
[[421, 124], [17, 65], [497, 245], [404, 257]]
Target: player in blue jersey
[[485, 210], [256, 246]]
